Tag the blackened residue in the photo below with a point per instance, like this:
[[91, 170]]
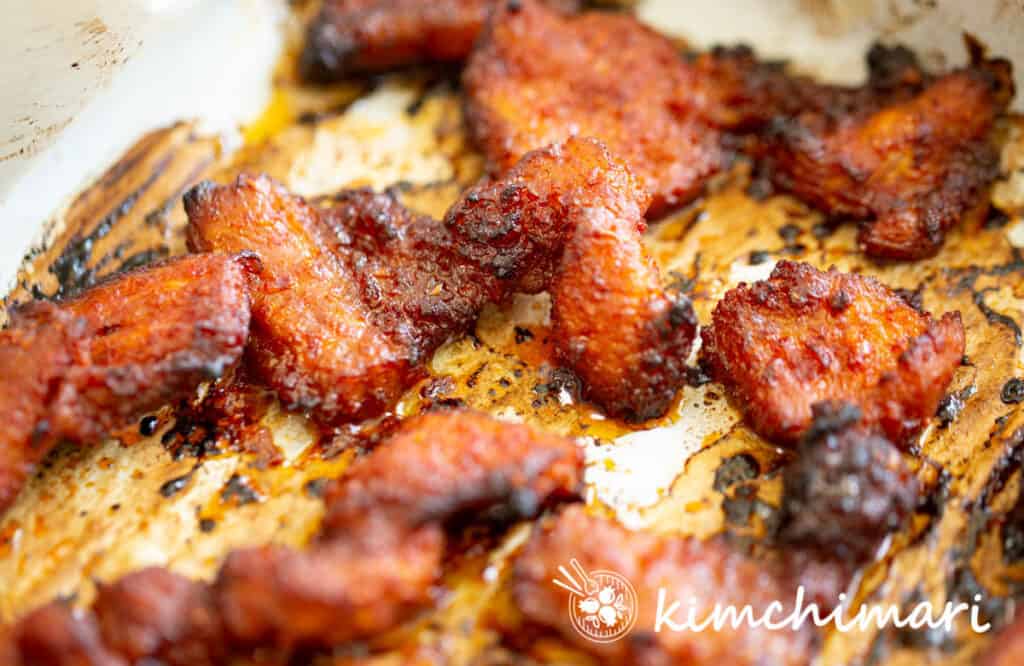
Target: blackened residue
[[822, 230], [72, 267], [789, 233], [734, 470], [927, 637], [174, 486], [953, 404], [737, 479], [239, 491], [758, 257], [760, 188], [997, 318], [316, 487], [964, 587], [912, 297], [696, 376], [560, 381], [680, 283], [143, 258], [523, 334], [1013, 391], [148, 425], [474, 377], [437, 394], [933, 503], [190, 438], [996, 219], [1003, 469]]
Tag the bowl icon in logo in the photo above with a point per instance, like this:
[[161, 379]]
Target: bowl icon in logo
[[602, 604]]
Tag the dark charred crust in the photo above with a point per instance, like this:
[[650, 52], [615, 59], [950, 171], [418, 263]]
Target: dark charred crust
[[72, 267], [734, 470], [199, 193], [846, 490], [173, 486], [953, 404], [239, 491], [892, 67]]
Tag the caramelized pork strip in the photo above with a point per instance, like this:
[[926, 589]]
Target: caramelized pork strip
[[907, 161], [690, 571], [463, 465], [375, 564], [77, 370], [803, 336], [569, 218], [384, 521], [357, 295], [54, 636], [353, 298], [156, 614], [358, 36], [156, 333], [336, 593], [610, 77], [601, 75], [36, 351], [847, 490]]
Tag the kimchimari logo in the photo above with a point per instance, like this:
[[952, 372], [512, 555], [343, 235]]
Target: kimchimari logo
[[602, 604], [603, 607]]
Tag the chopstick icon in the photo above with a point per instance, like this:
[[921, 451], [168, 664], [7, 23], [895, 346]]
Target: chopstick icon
[[571, 585]]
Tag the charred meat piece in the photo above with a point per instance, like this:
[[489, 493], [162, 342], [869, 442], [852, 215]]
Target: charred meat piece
[[36, 352], [569, 218], [601, 75], [380, 548], [155, 335], [155, 614], [374, 565], [803, 336], [355, 297], [53, 636], [846, 490], [690, 571], [410, 275], [333, 594], [356, 36], [342, 321], [444, 466], [77, 370], [907, 160]]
